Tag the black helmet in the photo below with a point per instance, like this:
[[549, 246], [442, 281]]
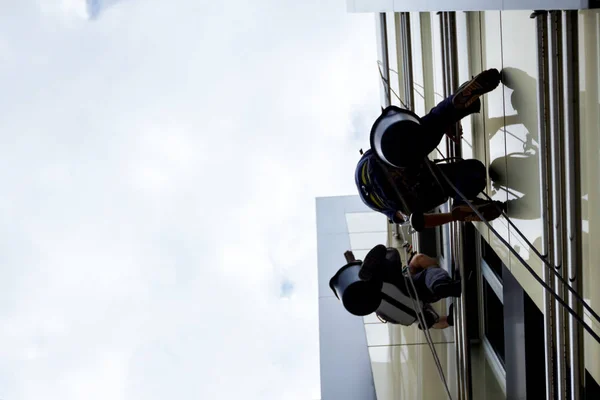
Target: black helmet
[[394, 130]]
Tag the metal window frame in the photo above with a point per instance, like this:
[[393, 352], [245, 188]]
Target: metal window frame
[[484, 271], [492, 280], [495, 364]]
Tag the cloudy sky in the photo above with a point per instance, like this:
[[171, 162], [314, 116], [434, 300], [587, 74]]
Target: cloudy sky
[[159, 163]]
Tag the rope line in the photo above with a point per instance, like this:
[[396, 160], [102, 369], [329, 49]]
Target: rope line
[[542, 258], [528, 267], [421, 316]]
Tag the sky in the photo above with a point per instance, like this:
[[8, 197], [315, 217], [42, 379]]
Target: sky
[[160, 162]]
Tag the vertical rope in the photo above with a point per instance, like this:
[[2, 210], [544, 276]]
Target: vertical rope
[[421, 316]]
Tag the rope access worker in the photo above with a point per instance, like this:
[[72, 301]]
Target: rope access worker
[[378, 285], [396, 178]]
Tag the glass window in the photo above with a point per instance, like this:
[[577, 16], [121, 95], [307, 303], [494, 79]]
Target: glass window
[[494, 320], [379, 335], [366, 241], [491, 258], [394, 59], [366, 222]]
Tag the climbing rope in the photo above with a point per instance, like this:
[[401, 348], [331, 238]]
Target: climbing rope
[[421, 315], [416, 303], [387, 82], [542, 258], [525, 264], [410, 284], [408, 280]]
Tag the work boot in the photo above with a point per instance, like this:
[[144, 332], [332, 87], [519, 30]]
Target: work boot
[[448, 289], [431, 318], [450, 316], [373, 260], [470, 91]]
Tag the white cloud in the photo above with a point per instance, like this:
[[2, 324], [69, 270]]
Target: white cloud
[[159, 168], [67, 10]]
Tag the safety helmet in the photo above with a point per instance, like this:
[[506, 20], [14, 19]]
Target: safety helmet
[[391, 136]]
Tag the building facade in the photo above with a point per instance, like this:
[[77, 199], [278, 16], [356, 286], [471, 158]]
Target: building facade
[[538, 136]]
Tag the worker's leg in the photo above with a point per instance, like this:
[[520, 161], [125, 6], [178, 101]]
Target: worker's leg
[[469, 92], [445, 321], [441, 117], [431, 317], [442, 323], [439, 121], [469, 177], [454, 108], [405, 145], [434, 284], [420, 261]]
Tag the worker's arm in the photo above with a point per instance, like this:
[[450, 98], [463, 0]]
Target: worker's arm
[[433, 220], [422, 221]]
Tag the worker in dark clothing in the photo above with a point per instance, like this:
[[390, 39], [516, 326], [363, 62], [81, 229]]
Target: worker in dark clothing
[[396, 305], [396, 178], [431, 282]]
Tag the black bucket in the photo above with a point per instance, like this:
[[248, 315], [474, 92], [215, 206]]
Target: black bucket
[[357, 296]]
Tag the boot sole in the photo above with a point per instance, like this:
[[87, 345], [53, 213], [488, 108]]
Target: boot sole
[[475, 88], [372, 259]]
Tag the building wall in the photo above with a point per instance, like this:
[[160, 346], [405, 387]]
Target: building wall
[[362, 6], [504, 136], [344, 357], [589, 85], [508, 121]]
